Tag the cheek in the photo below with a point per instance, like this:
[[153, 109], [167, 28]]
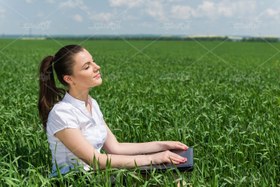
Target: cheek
[[84, 76], [82, 80]]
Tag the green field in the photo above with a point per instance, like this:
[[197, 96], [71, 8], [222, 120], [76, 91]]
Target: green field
[[222, 98]]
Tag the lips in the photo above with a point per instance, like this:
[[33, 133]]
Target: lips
[[97, 76]]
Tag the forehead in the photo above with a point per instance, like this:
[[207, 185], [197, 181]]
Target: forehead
[[83, 57]]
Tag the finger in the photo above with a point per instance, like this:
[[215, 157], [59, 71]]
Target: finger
[[176, 161], [177, 158], [182, 146]]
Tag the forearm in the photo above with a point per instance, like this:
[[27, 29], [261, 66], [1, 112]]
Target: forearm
[[139, 148], [112, 146], [119, 161], [120, 155], [130, 161]]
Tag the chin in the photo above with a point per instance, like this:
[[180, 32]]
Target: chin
[[98, 82]]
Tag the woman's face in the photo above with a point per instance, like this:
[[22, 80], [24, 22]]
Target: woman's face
[[86, 73]]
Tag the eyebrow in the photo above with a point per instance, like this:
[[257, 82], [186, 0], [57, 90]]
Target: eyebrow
[[87, 63]]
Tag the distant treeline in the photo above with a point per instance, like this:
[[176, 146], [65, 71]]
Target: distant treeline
[[185, 38], [263, 39], [148, 37]]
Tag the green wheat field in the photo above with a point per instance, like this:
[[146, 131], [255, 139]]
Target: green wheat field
[[220, 97]]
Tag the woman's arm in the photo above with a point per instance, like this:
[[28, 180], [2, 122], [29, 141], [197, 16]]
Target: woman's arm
[[114, 147], [76, 143]]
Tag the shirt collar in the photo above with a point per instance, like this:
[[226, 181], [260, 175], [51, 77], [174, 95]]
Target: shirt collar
[[75, 102]]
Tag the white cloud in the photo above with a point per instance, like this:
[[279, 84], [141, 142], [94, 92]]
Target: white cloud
[[76, 4], [96, 18], [127, 3], [182, 12], [225, 10], [214, 10], [272, 13], [166, 10], [78, 18], [156, 10], [103, 17], [71, 4], [228, 8], [245, 7], [207, 8]]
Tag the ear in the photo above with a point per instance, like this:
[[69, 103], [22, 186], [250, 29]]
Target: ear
[[68, 79]]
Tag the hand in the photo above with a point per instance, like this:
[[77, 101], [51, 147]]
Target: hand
[[169, 145], [167, 157]]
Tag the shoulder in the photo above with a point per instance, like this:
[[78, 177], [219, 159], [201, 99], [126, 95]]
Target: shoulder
[[62, 115], [62, 108], [94, 102]]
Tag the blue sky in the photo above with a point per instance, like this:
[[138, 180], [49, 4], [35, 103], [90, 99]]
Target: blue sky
[[163, 17]]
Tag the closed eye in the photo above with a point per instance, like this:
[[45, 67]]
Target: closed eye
[[86, 66]]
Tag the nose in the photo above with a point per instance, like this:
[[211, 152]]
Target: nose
[[96, 67]]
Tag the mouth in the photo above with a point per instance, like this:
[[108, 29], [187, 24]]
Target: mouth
[[97, 76]]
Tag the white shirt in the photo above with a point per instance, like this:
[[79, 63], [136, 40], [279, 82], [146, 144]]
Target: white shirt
[[72, 113]]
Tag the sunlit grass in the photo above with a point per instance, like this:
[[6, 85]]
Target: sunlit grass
[[224, 103]]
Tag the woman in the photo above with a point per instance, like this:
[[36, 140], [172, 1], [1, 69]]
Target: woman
[[75, 126]]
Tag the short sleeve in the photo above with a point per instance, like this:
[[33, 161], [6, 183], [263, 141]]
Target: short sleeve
[[61, 118]]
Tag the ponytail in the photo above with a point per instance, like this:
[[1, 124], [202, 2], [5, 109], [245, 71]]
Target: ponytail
[[62, 62], [49, 94]]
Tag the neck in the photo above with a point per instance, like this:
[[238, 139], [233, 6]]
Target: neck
[[79, 94]]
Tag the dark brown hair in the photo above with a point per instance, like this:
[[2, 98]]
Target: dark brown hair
[[62, 62]]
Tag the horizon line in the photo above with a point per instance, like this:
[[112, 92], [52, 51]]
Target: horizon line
[[182, 36]]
